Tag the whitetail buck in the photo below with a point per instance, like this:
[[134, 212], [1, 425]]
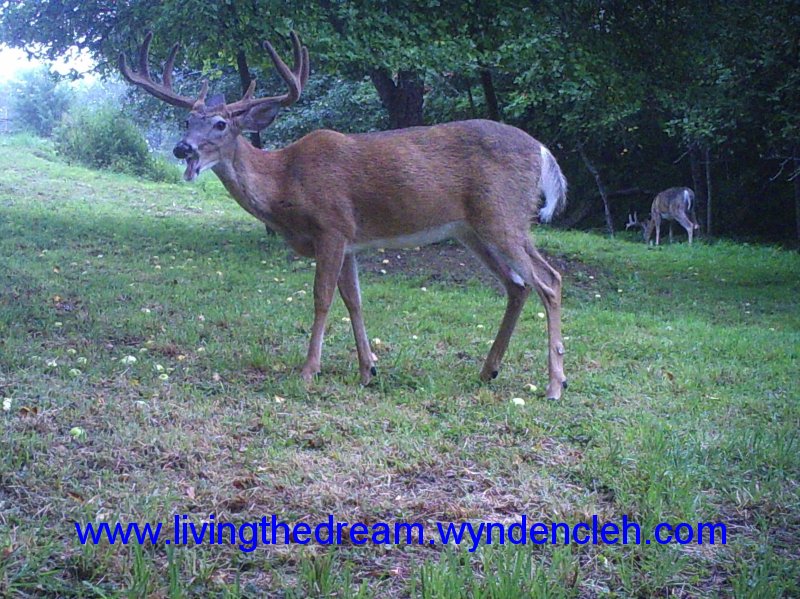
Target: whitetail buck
[[331, 195], [673, 204]]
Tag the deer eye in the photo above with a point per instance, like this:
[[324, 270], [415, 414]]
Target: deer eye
[[220, 125]]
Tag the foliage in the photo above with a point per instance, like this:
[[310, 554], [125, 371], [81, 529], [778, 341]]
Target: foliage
[[38, 99], [639, 86], [105, 138], [329, 103]]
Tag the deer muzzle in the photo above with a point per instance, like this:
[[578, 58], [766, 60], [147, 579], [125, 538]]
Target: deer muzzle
[[182, 150]]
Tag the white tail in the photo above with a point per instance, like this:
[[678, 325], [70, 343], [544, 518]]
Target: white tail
[[553, 186], [688, 198]]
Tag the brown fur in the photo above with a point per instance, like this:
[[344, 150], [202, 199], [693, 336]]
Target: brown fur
[[330, 194]]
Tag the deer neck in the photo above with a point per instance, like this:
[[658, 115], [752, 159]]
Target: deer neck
[[251, 176]]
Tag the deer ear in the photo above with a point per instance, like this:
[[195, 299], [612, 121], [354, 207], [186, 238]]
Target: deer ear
[[258, 116]]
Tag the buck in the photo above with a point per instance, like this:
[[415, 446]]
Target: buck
[[330, 195], [673, 204]]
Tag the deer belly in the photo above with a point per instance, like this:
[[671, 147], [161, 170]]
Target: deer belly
[[423, 237]]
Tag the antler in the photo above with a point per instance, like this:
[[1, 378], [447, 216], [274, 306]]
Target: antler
[[295, 78], [163, 91], [633, 220]]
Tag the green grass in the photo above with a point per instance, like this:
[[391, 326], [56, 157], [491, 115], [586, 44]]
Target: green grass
[[682, 406]]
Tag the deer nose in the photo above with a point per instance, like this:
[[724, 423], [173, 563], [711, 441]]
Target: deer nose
[[182, 150]]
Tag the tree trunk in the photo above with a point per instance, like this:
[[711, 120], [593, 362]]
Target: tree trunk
[[707, 158], [245, 78], [600, 187], [492, 105], [402, 98], [695, 165], [471, 101], [580, 211], [576, 214]]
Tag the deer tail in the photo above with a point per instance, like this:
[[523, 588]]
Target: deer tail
[[553, 186], [688, 198], [688, 195]]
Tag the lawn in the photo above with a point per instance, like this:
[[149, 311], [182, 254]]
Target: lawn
[[150, 343]]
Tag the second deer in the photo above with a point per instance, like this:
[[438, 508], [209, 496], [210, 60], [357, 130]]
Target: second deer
[[673, 204]]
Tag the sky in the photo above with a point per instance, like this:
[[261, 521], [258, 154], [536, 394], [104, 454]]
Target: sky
[[13, 60]]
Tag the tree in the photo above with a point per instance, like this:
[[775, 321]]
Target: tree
[[232, 34], [39, 99], [569, 83]]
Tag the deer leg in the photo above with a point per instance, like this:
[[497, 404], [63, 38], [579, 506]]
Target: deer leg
[[351, 294], [547, 282], [688, 225], [329, 253], [516, 291], [657, 221], [670, 231]]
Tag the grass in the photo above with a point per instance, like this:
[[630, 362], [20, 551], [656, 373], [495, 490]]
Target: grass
[[683, 406]]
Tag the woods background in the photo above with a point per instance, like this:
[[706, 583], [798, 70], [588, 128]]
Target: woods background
[[633, 97]]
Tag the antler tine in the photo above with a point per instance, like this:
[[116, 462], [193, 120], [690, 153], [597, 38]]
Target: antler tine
[[144, 50], [305, 68], [166, 78], [295, 78], [287, 75], [248, 95], [301, 62], [163, 91], [201, 99], [297, 50], [126, 71]]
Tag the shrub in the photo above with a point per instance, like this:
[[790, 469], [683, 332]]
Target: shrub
[[162, 170], [39, 99], [106, 139], [346, 106]]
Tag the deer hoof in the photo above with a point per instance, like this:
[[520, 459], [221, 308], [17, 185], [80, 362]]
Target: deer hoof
[[554, 390], [367, 375], [553, 393], [308, 375], [488, 375]]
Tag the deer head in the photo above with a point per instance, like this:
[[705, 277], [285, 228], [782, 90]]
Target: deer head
[[633, 221], [212, 127]]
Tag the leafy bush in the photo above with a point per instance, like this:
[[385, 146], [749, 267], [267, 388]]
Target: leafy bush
[[106, 139], [329, 103], [39, 99], [162, 170]]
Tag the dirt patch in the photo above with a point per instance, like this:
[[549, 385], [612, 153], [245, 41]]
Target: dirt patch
[[450, 262]]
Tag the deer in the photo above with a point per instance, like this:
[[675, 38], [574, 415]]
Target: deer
[[673, 204], [331, 195]]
